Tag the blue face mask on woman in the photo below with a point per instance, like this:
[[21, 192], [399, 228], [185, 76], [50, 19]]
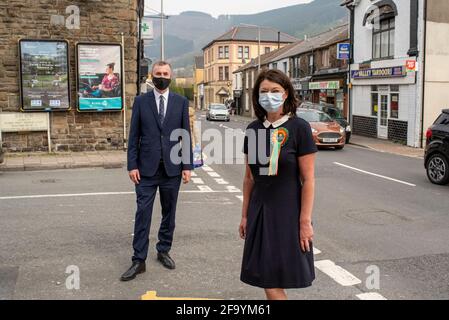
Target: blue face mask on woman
[[271, 101]]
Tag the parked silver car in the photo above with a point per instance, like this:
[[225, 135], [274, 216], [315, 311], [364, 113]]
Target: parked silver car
[[217, 111]]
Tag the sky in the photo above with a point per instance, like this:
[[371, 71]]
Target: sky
[[217, 7]]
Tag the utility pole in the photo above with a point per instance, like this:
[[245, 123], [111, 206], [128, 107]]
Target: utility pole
[[162, 32], [258, 64]]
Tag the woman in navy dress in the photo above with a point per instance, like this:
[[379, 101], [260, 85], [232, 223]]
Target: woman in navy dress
[[278, 191]]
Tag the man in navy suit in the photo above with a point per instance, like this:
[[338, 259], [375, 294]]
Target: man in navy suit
[[159, 156]]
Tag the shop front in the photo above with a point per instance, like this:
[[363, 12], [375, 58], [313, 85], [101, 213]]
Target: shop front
[[384, 103], [330, 92]]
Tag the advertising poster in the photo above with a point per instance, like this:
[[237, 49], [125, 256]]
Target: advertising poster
[[99, 80], [44, 75]]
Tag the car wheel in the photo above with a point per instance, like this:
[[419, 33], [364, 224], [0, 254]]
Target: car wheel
[[438, 169]]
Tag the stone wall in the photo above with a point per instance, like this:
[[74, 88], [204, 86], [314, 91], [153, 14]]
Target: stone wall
[[100, 21]]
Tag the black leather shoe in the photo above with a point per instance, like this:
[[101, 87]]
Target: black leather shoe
[[136, 268], [166, 260]]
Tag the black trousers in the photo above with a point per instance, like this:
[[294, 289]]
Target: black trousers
[[146, 193]]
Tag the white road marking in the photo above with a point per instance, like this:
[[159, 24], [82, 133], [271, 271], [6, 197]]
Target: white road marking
[[221, 181], [193, 174], [197, 181], [207, 168], [370, 296], [337, 273], [375, 174], [240, 198], [213, 174], [316, 251], [205, 189], [233, 189]]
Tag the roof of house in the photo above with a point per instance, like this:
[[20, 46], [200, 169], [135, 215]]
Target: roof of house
[[251, 33], [267, 57], [321, 40], [199, 62]]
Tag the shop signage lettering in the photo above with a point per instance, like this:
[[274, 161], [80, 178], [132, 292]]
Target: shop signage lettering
[[326, 85], [390, 72]]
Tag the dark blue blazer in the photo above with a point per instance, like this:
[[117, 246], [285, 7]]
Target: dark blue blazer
[[149, 141]]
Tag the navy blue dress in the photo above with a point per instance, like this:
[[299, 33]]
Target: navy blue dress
[[272, 256]]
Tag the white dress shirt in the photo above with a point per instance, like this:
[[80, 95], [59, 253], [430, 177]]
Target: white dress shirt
[[157, 96]]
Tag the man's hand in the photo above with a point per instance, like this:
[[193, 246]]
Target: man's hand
[[134, 175], [186, 174]]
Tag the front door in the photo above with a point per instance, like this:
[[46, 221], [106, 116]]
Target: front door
[[382, 123]]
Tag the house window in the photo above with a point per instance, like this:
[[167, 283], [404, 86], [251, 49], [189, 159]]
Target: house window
[[325, 58], [296, 67], [212, 55], [220, 52], [394, 102], [285, 67], [275, 65], [226, 52], [267, 49], [220, 74], [246, 53], [311, 64], [226, 73], [383, 39], [240, 53], [374, 101]]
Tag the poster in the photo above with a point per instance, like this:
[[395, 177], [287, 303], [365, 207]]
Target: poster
[[343, 51], [99, 77], [44, 78]]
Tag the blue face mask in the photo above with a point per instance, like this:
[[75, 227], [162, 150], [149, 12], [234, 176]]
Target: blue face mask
[[270, 101]]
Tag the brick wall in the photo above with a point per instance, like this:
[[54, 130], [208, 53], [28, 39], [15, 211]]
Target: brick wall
[[397, 131], [364, 126], [100, 21]]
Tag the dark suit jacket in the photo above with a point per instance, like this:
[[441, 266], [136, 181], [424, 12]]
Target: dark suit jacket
[[149, 141]]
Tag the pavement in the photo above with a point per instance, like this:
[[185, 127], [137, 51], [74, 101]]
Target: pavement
[[117, 159], [381, 232]]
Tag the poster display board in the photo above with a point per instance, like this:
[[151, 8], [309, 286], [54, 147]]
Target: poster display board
[[44, 75], [99, 77]]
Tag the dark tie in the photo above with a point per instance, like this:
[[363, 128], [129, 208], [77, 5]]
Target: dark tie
[[161, 109]]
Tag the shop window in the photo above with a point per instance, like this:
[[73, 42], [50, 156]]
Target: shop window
[[384, 39], [374, 101], [394, 102]]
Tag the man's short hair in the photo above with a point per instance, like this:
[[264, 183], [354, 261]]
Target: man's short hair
[[160, 64]]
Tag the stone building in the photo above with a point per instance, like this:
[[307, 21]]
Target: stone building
[[74, 21]]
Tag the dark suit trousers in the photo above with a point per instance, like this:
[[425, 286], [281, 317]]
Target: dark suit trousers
[[146, 193]]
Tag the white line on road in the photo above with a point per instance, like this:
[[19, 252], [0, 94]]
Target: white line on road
[[340, 275], [205, 189], [370, 296], [233, 189], [375, 174], [221, 181], [214, 174], [197, 181], [207, 168]]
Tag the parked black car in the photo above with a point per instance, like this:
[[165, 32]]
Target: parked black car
[[437, 150], [333, 112], [1, 154]]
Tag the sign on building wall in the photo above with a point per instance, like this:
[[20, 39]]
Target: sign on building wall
[[343, 51], [18, 122], [390, 72], [324, 85], [99, 77], [147, 29], [44, 75]]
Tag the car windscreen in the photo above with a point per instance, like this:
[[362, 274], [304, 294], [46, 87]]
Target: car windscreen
[[313, 116], [218, 107]]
